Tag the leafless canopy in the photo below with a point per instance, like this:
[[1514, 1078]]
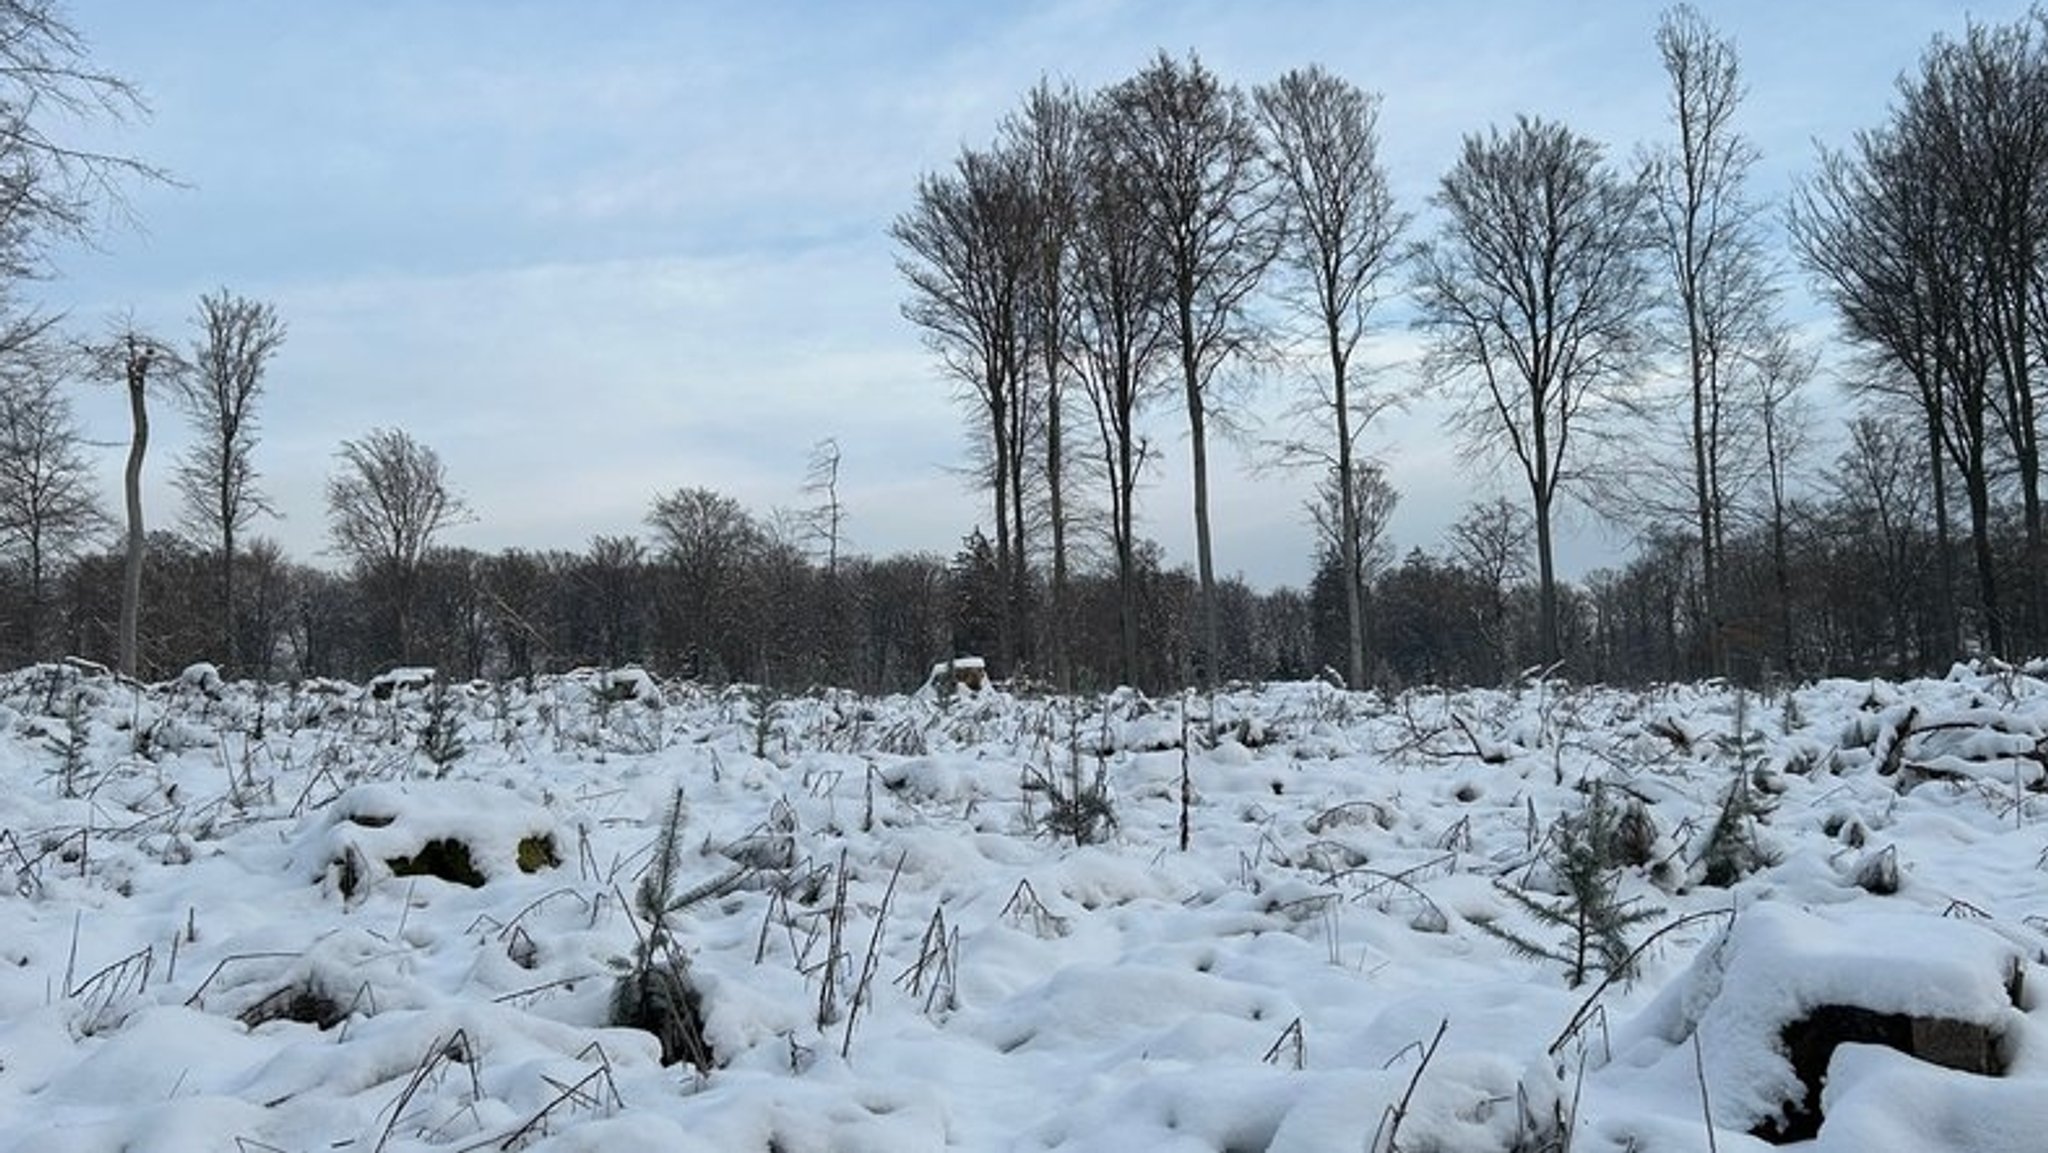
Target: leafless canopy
[[1533, 295], [238, 338], [51, 190], [389, 500]]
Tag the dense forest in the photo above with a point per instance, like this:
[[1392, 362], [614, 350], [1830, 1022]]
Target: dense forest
[[1608, 327]]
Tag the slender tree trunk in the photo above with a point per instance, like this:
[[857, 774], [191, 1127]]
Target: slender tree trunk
[[1977, 488], [230, 641], [1019, 588], [1055, 478], [1703, 479], [1347, 512], [1006, 615], [131, 580], [1127, 617], [1546, 583], [1205, 564], [1944, 534], [1781, 562]]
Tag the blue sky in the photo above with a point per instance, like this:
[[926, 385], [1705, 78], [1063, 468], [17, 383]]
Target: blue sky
[[592, 252]]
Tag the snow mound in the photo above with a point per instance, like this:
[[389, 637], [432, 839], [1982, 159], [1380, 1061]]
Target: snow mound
[[1752, 998]]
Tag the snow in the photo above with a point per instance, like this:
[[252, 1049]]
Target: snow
[[188, 885], [1777, 962]]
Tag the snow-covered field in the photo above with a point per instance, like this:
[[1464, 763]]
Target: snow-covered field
[[215, 932]]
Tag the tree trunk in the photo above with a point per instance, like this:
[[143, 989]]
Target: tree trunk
[[1945, 616], [1546, 583], [131, 580], [1126, 483], [1781, 573], [1977, 488], [1006, 616], [1347, 513], [230, 642], [1019, 588], [1062, 671], [1205, 564]]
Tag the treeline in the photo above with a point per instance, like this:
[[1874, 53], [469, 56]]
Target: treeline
[[717, 594]]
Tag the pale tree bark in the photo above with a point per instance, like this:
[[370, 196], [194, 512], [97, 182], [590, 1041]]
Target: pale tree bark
[[141, 356]]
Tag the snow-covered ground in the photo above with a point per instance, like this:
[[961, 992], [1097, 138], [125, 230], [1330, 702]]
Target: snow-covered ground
[[222, 926]]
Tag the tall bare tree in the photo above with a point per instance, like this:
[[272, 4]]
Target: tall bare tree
[[1322, 139], [967, 252], [136, 359], [1719, 294], [217, 477], [1355, 529], [1491, 542], [1191, 143], [1533, 294], [1782, 372], [1049, 139], [1119, 334], [386, 504], [1976, 117]]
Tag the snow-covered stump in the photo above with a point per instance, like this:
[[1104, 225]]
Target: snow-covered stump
[[459, 831], [1778, 1003]]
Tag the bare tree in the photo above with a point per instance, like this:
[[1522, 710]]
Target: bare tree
[[1874, 479], [1119, 336], [1491, 542], [1322, 139], [1191, 144], [706, 541], [1354, 528], [385, 505], [1976, 118], [1532, 292], [1719, 295], [968, 252], [1858, 226], [1049, 138], [135, 359], [824, 522], [47, 502], [238, 337], [1782, 371]]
